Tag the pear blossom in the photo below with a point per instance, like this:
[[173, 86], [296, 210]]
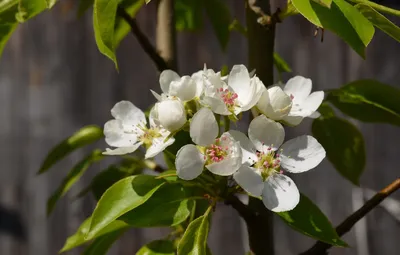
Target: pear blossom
[[305, 103], [274, 103], [265, 157], [128, 131], [170, 113], [221, 156], [239, 94]]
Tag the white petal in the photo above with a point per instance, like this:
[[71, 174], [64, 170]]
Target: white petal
[[239, 81], [299, 87], [198, 78], [153, 117], [122, 150], [293, 120], [257, 86], [280, 193], [225, 167], [157, 146], [274, 103], [315, 115], [115, 135], [216, 105], [313, 101], [203, 127], [248, 150], [189, 162], [166, 77], [156, 95], [264, 133], [301, 154], [171, 114], [250, 180], [128, 114], [185, 88]]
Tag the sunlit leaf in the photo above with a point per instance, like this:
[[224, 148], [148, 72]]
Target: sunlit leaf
[[73, 176], [29, 8], [343, 142], [122, 28], [122, 197], [325, 3], [369, 101], [157, 247], [380, 21], [308, 219], [82, 137]]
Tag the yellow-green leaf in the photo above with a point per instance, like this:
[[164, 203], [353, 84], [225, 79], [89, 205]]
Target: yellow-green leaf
[[82, 137], [157, 247], [326, 3]]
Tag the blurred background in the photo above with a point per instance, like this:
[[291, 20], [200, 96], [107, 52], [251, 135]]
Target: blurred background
[[53, 81]]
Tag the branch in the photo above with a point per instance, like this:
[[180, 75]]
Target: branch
[[143, 40], [377, 7], [347, 224]]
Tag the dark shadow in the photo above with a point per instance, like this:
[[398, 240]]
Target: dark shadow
[[11, 223]]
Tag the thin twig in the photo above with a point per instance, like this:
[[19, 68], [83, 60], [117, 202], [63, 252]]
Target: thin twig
[[143, 40], [349, 222]]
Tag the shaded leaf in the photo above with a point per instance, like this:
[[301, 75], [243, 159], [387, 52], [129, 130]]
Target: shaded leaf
[[29, 8], [8, 23], [84, 5], [343, 142], [6, 31], [237, 26], [188, 15], [380, 21], [172, 200], [101, 245], [181, 138], [281, 64], [342, 18], [308, 219], [78, 238], [194, 240], [120, 198], [50, 3], [326, 3], [73, 176], [157, 247], [104, 14], [369, 101], [82, 137], [220, 17]]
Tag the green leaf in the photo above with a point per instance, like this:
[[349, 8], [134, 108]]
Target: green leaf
[[29, 8], [281, 64], [104, 14], [343, 142], [79, 237], [342, 18], [6, 31], [101, 245], [220, 17], [308, 219], [181, 138], [325, 3], [369, 101], [82, 137], [380, 21], [157, 247], [194, 240], [237, 26], [147, 1], [172, 200], [73, 176], [188, 15], [50, 3], [122, 197], [122, 28], [8, 23]]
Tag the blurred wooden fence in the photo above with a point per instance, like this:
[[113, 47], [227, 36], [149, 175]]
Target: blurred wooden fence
[[53, 80]]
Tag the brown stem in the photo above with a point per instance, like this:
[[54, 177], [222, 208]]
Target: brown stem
[[349, 222], [261, 38], [144, 41], [166, 32]]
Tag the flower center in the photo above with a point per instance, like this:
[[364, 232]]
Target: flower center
[[215, 152], [148, 135], [268, 163], [229, 98]]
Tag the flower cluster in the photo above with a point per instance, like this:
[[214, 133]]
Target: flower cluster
[[258, 161]]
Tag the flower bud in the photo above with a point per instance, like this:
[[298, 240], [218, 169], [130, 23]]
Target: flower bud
[[171, 114]]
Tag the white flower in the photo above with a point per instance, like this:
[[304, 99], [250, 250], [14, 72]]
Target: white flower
[[170, 113], [238, 95], [261, 173], [221, 156], [304, 103], [172, 85], [128, 131], [274, 103]]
